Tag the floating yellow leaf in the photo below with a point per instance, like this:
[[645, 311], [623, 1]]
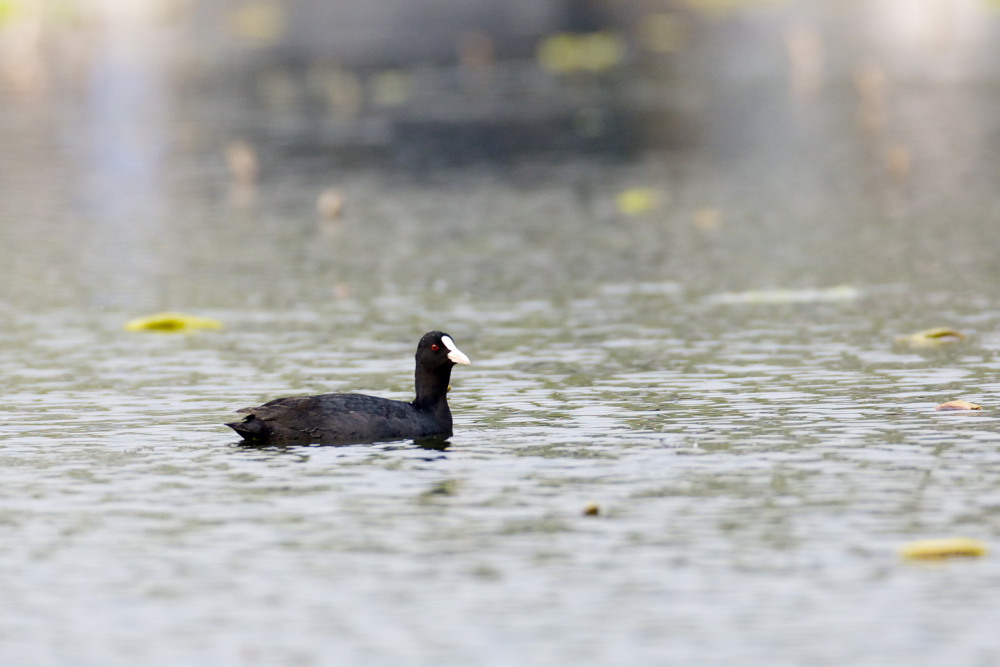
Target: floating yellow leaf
[[600, 51], [594, 52], [958, 405], [945, 547], [929, 338], [260, 22], [8, 11], [557, 53], [636, 201], [172, 323]]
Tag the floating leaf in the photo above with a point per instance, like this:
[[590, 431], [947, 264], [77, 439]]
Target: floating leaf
[[260, 22], [241, 158], [557, 53], [636, 201], [899, 161], [929, 338], [330, 204], [946, 547], [707, 218], [600, 51], [591, 509], [568, 52], [958, 405], [172, 323], [805, 47], [9, 10], [342, 292]]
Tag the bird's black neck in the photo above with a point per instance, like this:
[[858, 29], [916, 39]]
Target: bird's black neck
[[432, 389]]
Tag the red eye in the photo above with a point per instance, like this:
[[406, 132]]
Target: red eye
[[435, 347]]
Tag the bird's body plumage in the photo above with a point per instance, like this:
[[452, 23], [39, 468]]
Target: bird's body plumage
[[357, 418]]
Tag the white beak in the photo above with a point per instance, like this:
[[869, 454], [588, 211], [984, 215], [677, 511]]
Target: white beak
[[454, 354]]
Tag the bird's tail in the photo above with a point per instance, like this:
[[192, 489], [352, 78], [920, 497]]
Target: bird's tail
[[250, 428]]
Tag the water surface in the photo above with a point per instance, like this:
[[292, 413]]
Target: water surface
[[717, 373]]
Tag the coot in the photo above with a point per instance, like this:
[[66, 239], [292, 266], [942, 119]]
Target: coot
[[356, 418]]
